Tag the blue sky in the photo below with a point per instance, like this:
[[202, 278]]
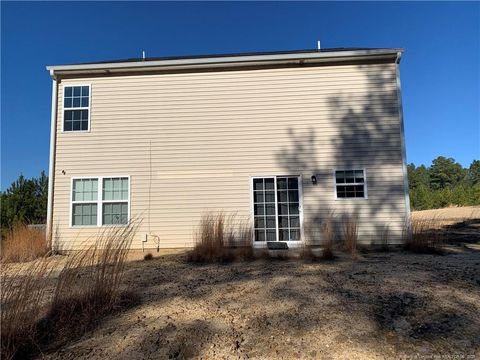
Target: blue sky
[[440, 69]]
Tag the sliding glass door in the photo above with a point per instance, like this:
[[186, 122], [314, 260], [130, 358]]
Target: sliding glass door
[[276, 208]]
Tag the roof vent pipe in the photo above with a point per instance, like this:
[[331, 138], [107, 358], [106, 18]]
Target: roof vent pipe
[[143, 54], [318, 45]]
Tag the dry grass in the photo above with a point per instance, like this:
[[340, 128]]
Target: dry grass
[[328, 233], [448, 215], [423, 236], [23, 243], [23, 295], [307, 253], [329, 229], [87, 288], [211, 240], [429, 230], [326, 229], [221, 239], [242, 242], [384, 238], [350, 234]]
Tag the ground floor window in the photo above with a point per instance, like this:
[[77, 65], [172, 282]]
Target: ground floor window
[[350, 184], [115, 201], [100, 201], [276, 208]]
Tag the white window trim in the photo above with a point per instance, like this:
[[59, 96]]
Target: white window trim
[[99, 201], [76, 108], [290, 244], [365, 188]]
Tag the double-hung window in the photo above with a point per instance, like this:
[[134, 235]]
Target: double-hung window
[[276, 208], [350, 184], [76, 108], [100, 201], [115, 201], [84, 202]]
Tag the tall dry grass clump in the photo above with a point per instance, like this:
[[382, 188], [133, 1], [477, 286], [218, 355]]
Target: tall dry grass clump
[[221, 239], [384, 238], [311, 229], [326, 230], [423, 236], [306, 252], [88, 286], [24, 291], [210, 240], [242, 241], [328, 235], [350, 234], [23, 243], [39, 308]]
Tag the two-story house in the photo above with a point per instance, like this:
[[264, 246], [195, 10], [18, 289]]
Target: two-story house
[[283, 139]]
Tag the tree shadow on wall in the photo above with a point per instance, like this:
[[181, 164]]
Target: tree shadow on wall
[[362, 131]]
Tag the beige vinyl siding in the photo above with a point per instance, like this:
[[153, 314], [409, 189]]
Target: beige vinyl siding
[[211, 131]]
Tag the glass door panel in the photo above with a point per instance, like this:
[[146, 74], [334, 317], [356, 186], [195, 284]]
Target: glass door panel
[[264, 209], [276, 208]]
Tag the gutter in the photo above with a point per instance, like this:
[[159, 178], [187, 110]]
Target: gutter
[[51, 165], [402, 135], [225, 61]]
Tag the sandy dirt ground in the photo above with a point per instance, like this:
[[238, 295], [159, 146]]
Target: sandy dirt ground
[[381, 305]]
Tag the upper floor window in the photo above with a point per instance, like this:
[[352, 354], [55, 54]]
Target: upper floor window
[[76, 108], [350, 184]]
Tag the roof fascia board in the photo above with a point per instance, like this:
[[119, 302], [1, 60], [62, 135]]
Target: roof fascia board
[[233, 61]]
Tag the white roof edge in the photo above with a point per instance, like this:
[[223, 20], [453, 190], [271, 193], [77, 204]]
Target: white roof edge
[[225, 60]]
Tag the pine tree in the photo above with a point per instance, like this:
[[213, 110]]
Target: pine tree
[[473, 176], [445, 173], [25, 201]]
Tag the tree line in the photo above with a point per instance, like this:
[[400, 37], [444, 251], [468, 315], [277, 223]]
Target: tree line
[[25, 201], [445, 182]]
